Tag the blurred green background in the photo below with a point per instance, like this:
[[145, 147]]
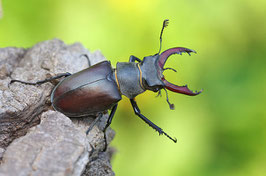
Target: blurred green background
[[220, 132]]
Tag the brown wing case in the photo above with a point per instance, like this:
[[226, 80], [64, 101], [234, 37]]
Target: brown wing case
[[86, 92]]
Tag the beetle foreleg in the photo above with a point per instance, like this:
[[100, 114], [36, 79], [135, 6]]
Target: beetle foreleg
[[133, 59], [155, 127], [42, 81]]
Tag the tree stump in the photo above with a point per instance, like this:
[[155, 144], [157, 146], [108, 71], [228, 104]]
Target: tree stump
[[35, 139]]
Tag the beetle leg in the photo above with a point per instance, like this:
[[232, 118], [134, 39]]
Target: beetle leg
[[88, 59], [94, 123], [109, 121], [155, 127], [110, 118], [133, 59], [159, 94], [42, 81]]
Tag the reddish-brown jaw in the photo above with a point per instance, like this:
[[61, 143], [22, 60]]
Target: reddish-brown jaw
[[162, 60]]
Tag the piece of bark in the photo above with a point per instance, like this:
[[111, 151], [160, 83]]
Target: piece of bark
[[57, 145]]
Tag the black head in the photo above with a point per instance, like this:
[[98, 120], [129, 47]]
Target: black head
[[150, 77], [152, 68]]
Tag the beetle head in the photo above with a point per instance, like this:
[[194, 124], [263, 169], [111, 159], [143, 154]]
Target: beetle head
[[153, 67], [160, 64]]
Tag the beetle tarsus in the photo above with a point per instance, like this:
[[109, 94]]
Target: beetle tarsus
[[151, 124]]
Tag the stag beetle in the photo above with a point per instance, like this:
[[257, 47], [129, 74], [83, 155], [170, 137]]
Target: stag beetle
[[99, 87]]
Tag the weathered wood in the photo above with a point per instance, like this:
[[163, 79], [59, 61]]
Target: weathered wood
[[57, 145]]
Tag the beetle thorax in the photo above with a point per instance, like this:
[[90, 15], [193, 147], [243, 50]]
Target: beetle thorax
[[129, 79]]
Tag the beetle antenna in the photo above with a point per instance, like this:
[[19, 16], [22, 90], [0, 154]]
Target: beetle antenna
[[172, 106], [165, 24]]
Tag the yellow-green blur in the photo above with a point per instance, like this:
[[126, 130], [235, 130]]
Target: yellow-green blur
[[221, 131]]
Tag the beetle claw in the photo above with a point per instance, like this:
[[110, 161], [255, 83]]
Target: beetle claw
[[166, 54], [180, 89], [186, 51], [162, 60]]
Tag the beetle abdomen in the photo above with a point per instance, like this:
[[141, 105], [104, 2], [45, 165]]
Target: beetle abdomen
[[86, 92]]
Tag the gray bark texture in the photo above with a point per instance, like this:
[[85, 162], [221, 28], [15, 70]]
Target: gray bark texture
[[35, 139]]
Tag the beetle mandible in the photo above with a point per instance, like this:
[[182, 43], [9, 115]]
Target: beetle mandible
[[99, 87]]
